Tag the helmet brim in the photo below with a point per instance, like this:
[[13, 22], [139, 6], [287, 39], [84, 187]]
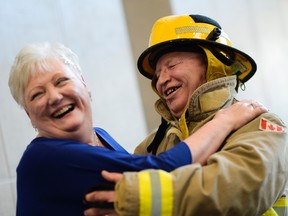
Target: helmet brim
[[147, 60]]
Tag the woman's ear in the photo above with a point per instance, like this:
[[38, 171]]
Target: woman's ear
[[35, 128], [84, 83]]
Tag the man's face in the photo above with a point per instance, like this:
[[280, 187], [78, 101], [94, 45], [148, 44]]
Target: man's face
[[58, 103], [179, 75]]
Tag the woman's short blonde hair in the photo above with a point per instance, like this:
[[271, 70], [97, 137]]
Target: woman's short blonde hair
[[35, 58]]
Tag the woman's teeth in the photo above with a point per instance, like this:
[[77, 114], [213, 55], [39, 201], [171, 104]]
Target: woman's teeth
[[62, 111]]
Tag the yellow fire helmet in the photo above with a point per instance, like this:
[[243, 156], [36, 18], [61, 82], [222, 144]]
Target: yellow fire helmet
[[196, 33]]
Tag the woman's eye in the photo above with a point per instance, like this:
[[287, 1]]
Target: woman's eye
[[35, 95], [61, 81]]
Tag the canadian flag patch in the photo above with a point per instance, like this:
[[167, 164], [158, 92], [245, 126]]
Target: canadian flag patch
[[267, 125]]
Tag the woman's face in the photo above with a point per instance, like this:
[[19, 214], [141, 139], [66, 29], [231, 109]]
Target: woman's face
[[58, 103], [179, 75]]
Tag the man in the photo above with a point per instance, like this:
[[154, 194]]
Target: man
[[196, 72]]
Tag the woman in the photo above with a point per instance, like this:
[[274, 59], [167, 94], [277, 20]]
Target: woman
[[64, 161]]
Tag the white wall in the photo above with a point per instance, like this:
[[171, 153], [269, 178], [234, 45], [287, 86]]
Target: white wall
[[96, 31]]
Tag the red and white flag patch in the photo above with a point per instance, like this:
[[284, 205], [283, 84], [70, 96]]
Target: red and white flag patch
[[267, 125]]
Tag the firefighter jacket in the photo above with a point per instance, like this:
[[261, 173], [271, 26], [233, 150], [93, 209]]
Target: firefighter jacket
[[245, 177]]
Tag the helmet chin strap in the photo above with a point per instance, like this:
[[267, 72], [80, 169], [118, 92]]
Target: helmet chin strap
[[162, 130], [158, 137], [183, 125]]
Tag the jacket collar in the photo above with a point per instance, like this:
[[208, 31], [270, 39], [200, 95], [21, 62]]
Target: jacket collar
[[207, 99]]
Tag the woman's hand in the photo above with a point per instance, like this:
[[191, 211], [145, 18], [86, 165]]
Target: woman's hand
[[240, 113], [208, 139]]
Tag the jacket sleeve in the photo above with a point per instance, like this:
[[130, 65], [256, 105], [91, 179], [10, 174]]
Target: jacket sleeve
[[244, 178]]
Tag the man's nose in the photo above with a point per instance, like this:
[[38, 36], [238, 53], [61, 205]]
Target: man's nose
[[164, 77]]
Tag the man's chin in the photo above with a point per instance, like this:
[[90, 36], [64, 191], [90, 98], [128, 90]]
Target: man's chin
[[176, 113]]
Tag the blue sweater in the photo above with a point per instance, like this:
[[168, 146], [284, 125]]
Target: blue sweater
[[54, 175]]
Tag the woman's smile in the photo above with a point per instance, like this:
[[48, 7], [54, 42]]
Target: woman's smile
[[63, 111]]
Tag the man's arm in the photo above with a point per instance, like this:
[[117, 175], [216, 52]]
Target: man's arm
[[245, 178]]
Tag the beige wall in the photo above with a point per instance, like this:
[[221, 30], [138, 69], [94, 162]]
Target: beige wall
[[108, 36], [139, 31]]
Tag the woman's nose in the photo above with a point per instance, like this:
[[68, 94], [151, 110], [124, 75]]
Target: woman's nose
[[54, 96]]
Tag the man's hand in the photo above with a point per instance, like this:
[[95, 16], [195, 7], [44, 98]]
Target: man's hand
[[103, 196]]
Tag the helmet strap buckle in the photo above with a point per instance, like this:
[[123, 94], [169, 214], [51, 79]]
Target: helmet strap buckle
[[214, 34]]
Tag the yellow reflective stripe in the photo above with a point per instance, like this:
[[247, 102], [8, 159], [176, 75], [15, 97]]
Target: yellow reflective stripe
[[281, 202], [144, 193], [270, 212], [166, 193], [155, 193], [183, 126]]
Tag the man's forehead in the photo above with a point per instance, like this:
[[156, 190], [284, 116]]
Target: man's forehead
[[176, 56]]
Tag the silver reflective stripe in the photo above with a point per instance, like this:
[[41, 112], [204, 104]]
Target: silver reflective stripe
[[156, 194]]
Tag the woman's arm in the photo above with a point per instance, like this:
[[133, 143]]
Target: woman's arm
[[209, 137]]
